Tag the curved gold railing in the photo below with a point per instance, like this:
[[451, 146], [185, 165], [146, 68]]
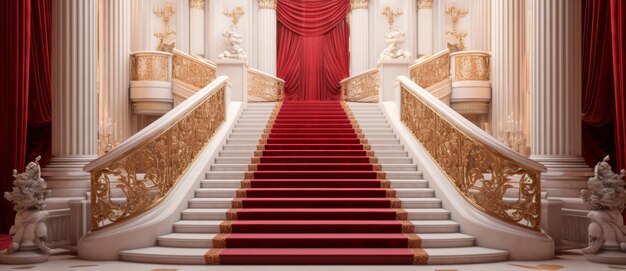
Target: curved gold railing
[[140, 172], [431, 70], [470, 66], [492, 177], [263, 87], [150, 66], [362, 87], [191, 70]]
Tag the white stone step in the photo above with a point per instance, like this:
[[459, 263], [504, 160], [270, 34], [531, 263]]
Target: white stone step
[[237, 183], [232, 192], [465, 255], [381, 160], [447, 240], [244, 167], [226, 202], [220, 214]]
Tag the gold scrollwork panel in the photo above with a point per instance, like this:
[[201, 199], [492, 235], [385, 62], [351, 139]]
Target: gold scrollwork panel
[[265, 88], [361, 88], [432, 71], [471, 68], [140, 179], [149, 68], [192, 72], [491, 182]]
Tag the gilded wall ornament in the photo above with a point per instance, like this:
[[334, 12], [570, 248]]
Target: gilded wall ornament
[[199, 4], [359, 4], [233, 37], [424, 4], [482, 175], [456, 39], [395, 37], [167, 38], [267, 4]]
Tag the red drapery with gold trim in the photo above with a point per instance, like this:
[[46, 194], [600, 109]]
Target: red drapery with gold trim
[[313, 53]]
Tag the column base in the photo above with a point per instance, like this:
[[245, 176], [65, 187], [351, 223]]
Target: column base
[[565, 178], [67, 180]]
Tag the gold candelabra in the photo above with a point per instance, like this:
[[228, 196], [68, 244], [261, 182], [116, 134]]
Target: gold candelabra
[[455, 14], [391, 15], [234, 14], [165, 14]]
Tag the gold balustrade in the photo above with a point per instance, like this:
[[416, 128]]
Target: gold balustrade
[[140, 174], [192, 70], [431, 70], [150, 66], [263, 87], [490, 180], [362, 87], [471, 66]]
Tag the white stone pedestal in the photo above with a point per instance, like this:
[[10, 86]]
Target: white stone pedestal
[[236, 70], [607, 257], [24, 257], [389, 70]]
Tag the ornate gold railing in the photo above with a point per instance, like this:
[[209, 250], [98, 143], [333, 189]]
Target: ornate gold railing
[[192, 70], [470, 66], [140, 172], [431, 70], [489, 175], [263, 87], [150, 66], [362, 87]]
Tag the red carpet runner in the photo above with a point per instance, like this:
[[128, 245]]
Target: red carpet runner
[[5, 241], [315, 195]]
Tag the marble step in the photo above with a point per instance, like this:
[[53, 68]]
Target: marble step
[[244, 167], [436, 256], [250, 153], [226, 202], [256, 141], [220, 214], [232, 192], [239, 175], [253, 146], [237, 183], [257, 135], [246, 160]]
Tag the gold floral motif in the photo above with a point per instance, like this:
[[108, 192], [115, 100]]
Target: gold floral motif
[[361, 88], [149, 67], [262, 87], [146, 174], [192, 71], [267, 4], [359, 4], [424, 4], [480, 174], [432, 70], [196, 4], [471, 67]]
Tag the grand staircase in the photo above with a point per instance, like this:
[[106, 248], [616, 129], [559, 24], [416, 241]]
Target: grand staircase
[[314, 183]]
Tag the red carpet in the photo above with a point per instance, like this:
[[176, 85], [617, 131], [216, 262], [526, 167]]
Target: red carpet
[[5, 241], [315, 195]]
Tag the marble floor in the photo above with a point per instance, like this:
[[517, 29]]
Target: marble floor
[[570, 260]]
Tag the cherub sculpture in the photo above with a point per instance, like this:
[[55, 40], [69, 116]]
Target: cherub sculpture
[[29, 198], [607, 199], [233, 50]]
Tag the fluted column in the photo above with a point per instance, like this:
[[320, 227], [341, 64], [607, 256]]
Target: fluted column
[[359, 36], [509, 104], [556, 103], [74, 97], [267, 36], [196, 27], [481, 25], [183, 27], [424, 27], [113, 57], [142, 32]]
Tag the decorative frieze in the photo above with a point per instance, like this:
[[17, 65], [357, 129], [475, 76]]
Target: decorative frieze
[[199, 4], [267, 4], [424, 4], [359, 4]]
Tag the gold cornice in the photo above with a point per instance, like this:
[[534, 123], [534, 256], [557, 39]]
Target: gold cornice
[[199, 4], [267, 4], [359, 4], [423, 4]]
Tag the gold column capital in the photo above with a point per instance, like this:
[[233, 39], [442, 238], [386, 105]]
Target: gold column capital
[[267, 4], [359, 4], [424, 4], [199, 4]]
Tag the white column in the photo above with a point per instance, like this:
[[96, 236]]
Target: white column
[[113, 58], [182, 25], [556, 102], [481, 25], [267, 36], [424, 27], [74, 98], [141, 25], [359, 36], [509, 95], [196, 27]]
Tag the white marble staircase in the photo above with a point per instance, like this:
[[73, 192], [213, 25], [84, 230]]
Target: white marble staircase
[[442, 238]]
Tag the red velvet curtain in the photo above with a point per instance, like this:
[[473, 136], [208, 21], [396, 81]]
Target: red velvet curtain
[[25, 77], [313, 53], [618, 22]]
